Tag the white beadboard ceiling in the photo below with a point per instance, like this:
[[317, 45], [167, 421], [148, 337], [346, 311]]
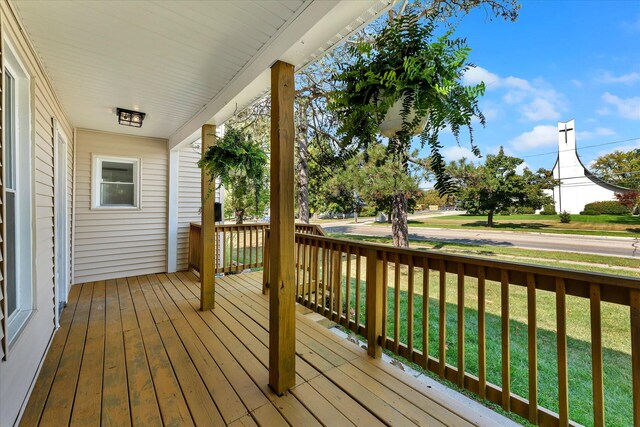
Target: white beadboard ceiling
[[183, 63]]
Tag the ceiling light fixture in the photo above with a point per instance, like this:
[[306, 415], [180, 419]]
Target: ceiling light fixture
[[130, 117]]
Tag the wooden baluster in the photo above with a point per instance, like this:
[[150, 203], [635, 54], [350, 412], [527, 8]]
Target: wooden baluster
[[266, 263], [331, 280], [506, 354], [347, 288], [461, 366], [385, 296], [634, 307], [251, 246], [312, 263], [373, 296], [230, 251], [238, 268], [482, 334], [396, 306], [561, 334], [532, 334], [596, 355], [442, 320], [339, 300], [325, 276], [425, 313], [357, 289], [335, 282], [303, 250], [410, 307], [316, 255]]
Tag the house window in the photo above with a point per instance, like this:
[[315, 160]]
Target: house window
[[116, 182], [17, 194]]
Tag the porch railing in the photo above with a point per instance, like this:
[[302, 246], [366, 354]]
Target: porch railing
[[238, 246], [460, 317]]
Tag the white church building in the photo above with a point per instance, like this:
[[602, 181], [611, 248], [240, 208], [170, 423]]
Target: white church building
[[577, 186]]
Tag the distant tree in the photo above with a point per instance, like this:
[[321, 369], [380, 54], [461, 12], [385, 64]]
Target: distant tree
[[619, 168], [380, 179], [495, 185], [433, 197], [628, 199]]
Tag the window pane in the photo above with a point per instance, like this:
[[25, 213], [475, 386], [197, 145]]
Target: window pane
[[10, 255], [117, 172], [116, 194]]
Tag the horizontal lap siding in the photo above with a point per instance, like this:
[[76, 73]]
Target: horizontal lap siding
[[188, 200], [120, 243], [24, 355]]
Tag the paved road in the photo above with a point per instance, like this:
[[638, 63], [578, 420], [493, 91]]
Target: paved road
[[615, 246]]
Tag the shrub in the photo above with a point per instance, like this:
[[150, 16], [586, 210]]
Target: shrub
[[549, 210], [565, 217], [524, 210], [609, 207]]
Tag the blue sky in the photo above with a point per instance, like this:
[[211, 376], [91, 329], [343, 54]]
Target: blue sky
[[560, 60]]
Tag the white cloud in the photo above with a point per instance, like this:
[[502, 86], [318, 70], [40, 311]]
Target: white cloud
[[607, 77], [537, 99], [540, 109], [540, 136], [576, 83], [456, 152], [589, 134], [628, 108], [476, 75]]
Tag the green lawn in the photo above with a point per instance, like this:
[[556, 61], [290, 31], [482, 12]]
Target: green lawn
[[600, 225], [615, 326], [616, 342]]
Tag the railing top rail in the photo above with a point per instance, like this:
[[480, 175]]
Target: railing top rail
[[556, 272], [318, 229]]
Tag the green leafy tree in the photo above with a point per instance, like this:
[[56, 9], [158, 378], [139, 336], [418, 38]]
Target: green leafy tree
[[379, 180], [496, 186], [619, 168]]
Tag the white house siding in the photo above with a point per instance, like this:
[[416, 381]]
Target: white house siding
[[111, 243], [189, 182], [24, 355]]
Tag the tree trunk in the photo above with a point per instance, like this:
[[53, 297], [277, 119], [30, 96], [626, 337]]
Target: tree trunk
[[490, 218], [303, 164], [239, 216], [399, 226]]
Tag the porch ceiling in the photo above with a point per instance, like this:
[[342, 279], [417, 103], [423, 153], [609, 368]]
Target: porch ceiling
[[183, 63]]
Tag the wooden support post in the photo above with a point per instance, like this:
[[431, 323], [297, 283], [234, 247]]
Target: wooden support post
[[282, 372], [207, 230], [373, 299]]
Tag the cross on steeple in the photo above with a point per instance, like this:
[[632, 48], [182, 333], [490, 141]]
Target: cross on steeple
[[566, 131]]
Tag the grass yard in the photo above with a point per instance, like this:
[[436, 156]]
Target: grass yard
[[615, 326], [616, 341], [602, 225]]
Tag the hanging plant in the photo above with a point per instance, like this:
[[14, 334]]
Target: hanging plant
[[239, 163], [403, 82]]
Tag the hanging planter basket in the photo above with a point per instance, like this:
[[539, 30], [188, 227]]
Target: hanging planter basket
[[392, 122]]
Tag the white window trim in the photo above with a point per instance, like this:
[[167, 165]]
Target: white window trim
[[24, 191], [96, 174]]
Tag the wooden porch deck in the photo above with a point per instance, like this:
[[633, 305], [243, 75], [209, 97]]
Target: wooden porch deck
[[137, 351]]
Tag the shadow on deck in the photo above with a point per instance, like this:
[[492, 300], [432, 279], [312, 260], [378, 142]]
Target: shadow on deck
[[137, 351]]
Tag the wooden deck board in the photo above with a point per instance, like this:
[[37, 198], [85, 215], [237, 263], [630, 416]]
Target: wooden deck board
[[137, 351]]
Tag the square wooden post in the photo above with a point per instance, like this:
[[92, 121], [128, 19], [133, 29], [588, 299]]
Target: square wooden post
[[208, 229], [282, 332]]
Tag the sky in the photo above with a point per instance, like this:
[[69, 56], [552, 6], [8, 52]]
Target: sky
[[560, 60]]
